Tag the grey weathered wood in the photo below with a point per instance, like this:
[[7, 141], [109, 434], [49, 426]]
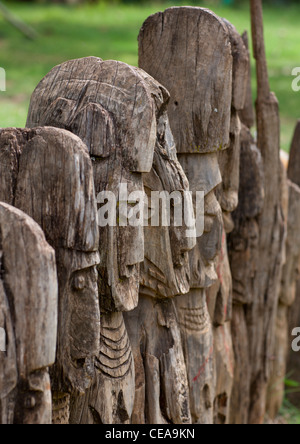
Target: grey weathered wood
[[240, 67], [275, 393], [110, 107], [49, 176], [195, 64], [235, 395], [111, 396], [294, 312], [244, 264], [28, 315], [247, 114], [220, 307], [221, 292], [162, 392]]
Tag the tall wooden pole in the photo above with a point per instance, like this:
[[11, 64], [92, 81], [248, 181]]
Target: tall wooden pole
[[263, 314]]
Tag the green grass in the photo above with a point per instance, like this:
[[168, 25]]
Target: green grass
[[111, 32]]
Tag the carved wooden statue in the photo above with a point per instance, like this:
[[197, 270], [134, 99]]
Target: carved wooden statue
[[162, 393], [294, 313], [290, 276], [200, 84], [220, 294], [108, 105], [47, 173], [28, 319], [244, 263], [256, 246], [243, 255]]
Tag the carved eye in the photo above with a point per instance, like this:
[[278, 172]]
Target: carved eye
[[79, 283], [30, 402]]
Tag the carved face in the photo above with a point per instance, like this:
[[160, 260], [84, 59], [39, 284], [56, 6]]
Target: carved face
[[204, 175], [79, 326], [243, 242], [243, 258], [166, 272], [33, 404], [65, 207], [196, 68], [52, 179], [108, 106], [229, 161], [28, 320]]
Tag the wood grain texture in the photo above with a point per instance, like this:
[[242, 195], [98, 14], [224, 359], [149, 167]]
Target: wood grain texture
[[244, 263], [107, 105], [50, 178], [195, 65], [293, 290], [247, 114], [111, 397], [271, 226], [112, 108], [240, 67], [28, 315], [293, 367], [294, 161], [220, 294], [162, 392]]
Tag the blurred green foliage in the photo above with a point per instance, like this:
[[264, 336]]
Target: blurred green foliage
[[110, 31]]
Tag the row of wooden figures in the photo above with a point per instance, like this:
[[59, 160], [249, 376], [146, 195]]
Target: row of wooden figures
[[124, 324]]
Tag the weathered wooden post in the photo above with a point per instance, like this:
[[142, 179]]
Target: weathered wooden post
[[294, 313], [196, 67], [244, 263], [162, 392], [289, 312], [220, 294], [108, 105], [28, 318], [262, 318], [47, 173], [243, 255]]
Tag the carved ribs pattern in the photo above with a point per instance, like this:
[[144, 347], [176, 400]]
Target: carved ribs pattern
[[115, 358]]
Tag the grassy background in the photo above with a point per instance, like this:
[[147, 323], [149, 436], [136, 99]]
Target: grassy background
[[110, 32]]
